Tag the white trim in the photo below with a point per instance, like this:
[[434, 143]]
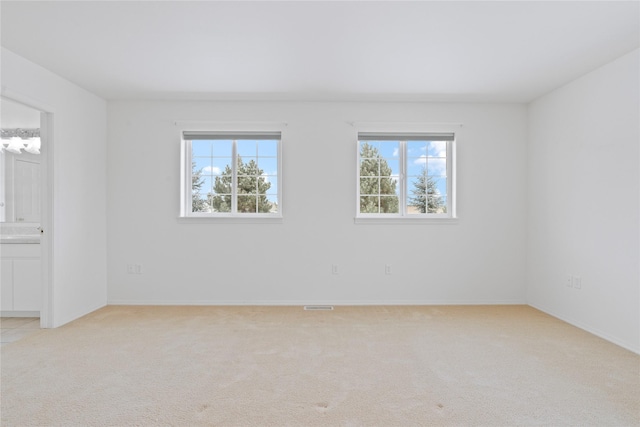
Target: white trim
[[406, 126], [588, 328], [47, 216], [225, 125], [26, 100], [402, 214], [47, 210], [426, 302], [19, 313], [247, 219], [79, 315], [406, 220], [185, 214]]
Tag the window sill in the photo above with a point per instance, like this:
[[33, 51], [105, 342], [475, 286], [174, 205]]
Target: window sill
[[405, 221], [230, 220]]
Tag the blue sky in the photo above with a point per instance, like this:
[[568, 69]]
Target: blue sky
[[431, 154], [212, 156]]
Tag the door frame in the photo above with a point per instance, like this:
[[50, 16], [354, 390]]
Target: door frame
[[47, 113]]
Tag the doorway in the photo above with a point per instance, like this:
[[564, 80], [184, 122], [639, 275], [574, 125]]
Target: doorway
[[26, 210]]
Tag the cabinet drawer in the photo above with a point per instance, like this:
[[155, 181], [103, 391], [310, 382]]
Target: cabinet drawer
[[19, 250]]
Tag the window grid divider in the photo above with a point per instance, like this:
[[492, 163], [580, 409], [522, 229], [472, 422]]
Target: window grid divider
[[403, 191]]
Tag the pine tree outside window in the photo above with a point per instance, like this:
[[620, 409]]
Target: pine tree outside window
[[405, 175], [231, 174]]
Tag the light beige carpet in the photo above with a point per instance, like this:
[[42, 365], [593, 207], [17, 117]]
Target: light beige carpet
[[354, 366]]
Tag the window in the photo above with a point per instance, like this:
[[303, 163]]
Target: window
[[405, 175], [231, 174]]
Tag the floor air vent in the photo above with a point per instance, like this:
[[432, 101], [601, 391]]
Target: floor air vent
[[318, 307]]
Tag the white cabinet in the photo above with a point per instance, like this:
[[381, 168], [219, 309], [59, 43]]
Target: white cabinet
[[6, 278], [21, 288], [26, 285]]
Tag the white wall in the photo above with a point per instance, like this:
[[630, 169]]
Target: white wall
[[481, 259], [79, 184], [583, 202]]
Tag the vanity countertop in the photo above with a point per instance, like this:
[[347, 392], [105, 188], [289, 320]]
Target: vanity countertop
[[20, 239]]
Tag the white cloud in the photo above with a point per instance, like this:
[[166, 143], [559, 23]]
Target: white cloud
[[436, 166], [422, 160], [438, 149], [211, 170], [395, 152]]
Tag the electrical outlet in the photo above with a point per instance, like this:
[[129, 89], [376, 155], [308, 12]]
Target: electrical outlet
[[387, 269], [134, 268], [577, 282], [334, 269], [569, 281]]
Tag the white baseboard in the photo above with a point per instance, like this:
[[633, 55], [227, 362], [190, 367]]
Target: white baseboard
[[8, 313], [78, 315], [589, 329], [314, 302]]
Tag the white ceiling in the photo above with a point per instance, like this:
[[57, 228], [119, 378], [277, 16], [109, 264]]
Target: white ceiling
[[508, 51]]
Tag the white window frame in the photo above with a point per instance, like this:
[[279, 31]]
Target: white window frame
[[450, 217], [186, 214]]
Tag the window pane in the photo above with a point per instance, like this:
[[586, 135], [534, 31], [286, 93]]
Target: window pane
[[222, 148], [414, 210], [439, 185], [221, 184], [389, 204], [389, 185], [369, 204], [200, 203], [436, 204], [268, 165], [273, 202], [416, 165], [417, 200], [255, 182], [218, 166], [437, 167], [198, 164], [264, 205], [437, 195], [263, 185], [247, 166], [437, 149], [369, 186], [389, 167], [220, 202], [202, 185], [201, 148], [247, 204], [268, 148], [424, 173], [369, 167], [269, 185], [247, 185], [247, 148], [389, 149], [416, 148], [369, 149]]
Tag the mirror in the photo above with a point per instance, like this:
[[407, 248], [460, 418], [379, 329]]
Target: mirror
[[19, 163]]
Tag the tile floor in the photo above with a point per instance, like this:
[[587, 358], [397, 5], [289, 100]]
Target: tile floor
[[14, 328]]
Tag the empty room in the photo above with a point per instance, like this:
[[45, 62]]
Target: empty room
[[320, 213]]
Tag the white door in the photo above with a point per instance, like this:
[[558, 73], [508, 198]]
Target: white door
[[27, 190]]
